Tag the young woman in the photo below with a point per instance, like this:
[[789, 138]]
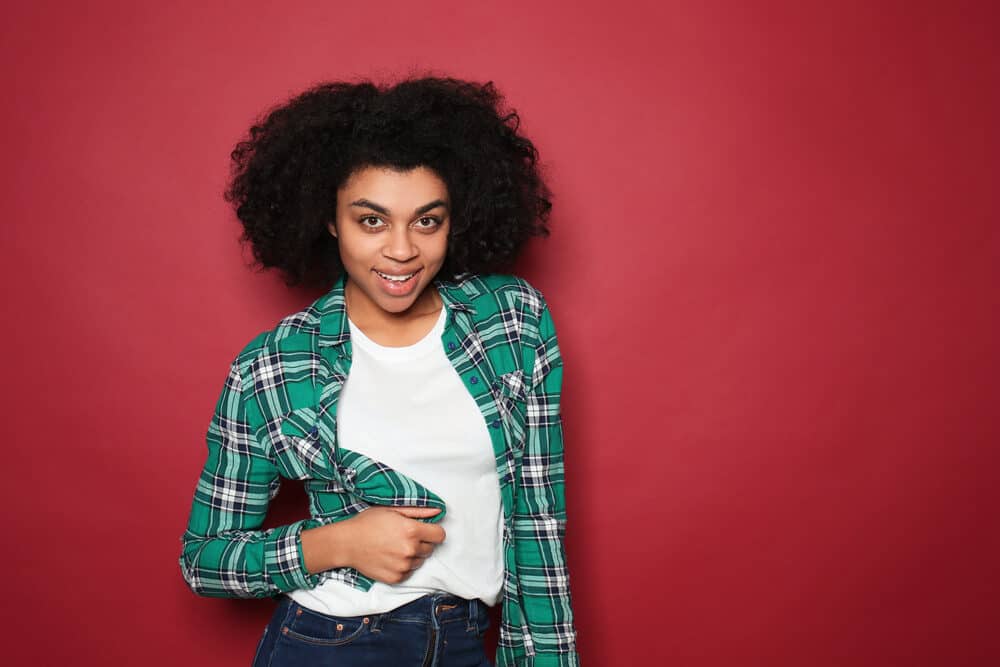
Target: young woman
[[418, 399]]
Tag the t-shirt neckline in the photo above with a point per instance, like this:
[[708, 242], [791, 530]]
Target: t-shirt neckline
[[429, 342]]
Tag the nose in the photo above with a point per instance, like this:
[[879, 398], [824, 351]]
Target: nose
[[399, 245]]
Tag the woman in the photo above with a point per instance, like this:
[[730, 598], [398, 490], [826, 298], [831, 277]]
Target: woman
[[418, 399]]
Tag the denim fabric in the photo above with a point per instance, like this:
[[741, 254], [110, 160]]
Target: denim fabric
[[433, 631]]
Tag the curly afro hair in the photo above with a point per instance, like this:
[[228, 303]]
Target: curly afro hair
[[286, 172]]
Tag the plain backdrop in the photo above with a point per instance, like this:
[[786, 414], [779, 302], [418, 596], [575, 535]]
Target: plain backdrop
[[773, 267]]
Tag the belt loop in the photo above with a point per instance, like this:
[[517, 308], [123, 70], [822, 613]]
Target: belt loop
[[291, 607], [376, 621], [473, 605]]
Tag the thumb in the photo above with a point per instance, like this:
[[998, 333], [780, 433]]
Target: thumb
[[416, 512]]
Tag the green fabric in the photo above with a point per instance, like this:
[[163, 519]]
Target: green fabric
[[276, 417]]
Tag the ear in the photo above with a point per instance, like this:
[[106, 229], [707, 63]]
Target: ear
[[332, 228]]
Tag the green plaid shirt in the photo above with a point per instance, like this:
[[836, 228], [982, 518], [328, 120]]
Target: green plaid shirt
[[276, 417]]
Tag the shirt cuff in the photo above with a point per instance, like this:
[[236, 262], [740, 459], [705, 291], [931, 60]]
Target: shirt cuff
[[571, 659], [284, 560]]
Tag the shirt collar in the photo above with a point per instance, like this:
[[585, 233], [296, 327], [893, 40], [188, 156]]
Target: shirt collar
[[335, 330]]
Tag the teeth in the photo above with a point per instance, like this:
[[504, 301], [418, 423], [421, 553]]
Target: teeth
[[395, 279]]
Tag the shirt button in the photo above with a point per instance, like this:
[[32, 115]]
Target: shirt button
[[496, 423], [451, 345], [474, 380]]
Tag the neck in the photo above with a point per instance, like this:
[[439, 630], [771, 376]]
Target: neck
[[364, 313]]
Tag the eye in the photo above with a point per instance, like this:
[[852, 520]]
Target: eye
[[371, 222], [427, 222]]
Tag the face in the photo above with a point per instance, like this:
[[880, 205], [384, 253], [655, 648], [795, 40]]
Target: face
[[392, 230]]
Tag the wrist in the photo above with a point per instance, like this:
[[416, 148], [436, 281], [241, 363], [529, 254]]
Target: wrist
[[327, 547]]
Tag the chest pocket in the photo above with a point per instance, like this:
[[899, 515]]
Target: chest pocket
[[510, 394], [301, 448]]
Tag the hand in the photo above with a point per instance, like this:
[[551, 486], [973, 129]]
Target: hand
[[384, 543], [390, 543]]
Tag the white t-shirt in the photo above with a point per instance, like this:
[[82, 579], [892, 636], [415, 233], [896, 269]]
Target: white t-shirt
[[407, 407]]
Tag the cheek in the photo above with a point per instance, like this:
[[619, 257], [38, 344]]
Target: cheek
[[354, 250], [439, 247]]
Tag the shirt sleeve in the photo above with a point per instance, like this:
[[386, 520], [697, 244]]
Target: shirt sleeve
[[540, 513], [224, 551]]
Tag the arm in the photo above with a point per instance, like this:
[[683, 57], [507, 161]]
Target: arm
[[540, 512], [225, 554]]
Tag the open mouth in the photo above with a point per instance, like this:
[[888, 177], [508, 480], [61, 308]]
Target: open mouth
[[396, 277]]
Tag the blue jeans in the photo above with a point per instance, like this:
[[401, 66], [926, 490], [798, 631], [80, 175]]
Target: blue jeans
[[433, 631]]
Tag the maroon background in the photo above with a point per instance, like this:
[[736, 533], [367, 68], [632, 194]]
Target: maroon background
[[773, 270]]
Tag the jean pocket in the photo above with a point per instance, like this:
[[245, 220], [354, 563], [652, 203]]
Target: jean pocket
[[318, 629]]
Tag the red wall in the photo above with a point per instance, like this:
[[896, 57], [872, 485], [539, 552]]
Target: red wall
[[773, 269]]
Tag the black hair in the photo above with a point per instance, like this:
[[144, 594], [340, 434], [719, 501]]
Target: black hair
[[286, 172]]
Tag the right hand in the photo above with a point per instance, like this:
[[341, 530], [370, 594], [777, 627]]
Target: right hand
[[390, 542], [384, 543]]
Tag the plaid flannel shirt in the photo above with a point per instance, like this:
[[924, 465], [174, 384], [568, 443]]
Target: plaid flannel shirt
[[276, 417]]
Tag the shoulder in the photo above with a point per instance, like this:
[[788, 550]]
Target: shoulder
[[292, 332], [505, 308], [496, 292]]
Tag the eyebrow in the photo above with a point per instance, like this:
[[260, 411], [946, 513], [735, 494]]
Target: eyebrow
[[384, 211]]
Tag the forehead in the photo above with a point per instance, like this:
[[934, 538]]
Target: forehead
[[385, 185]]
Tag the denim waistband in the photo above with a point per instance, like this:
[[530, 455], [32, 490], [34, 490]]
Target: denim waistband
[[432, 609], [442, 606]]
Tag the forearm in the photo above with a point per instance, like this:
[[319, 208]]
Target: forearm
[[539, 543], [544, 582], [327, 547], [245, 563]]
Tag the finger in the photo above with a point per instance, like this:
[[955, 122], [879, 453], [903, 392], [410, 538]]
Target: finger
[[430, 532], [416, 512], [424, 549]]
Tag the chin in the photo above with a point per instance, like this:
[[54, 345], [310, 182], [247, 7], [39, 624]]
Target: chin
[[397, 304]]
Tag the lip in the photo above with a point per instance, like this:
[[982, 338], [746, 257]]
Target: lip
[[397, 273], [392, 288]]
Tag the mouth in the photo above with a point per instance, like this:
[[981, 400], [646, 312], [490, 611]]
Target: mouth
[[397, 284], [396, 277]]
